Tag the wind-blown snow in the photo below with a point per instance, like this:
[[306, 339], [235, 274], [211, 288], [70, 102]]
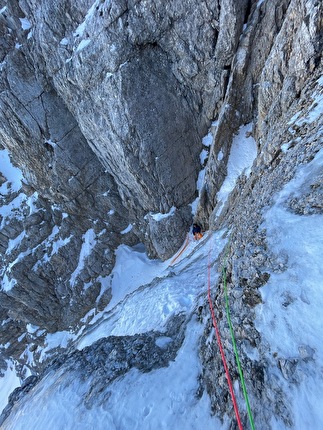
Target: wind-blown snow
[[290, 318]]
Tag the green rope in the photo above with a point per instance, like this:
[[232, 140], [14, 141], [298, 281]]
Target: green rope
[[245, 394]]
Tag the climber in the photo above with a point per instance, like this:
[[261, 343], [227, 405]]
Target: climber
[[197, 232]]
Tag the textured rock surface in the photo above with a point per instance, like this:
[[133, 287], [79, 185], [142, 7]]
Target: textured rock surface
[[282, 93], [108, 359], [103, 105]]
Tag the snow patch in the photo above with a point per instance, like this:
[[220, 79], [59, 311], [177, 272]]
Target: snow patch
[[25, 23], [8, 383], [285, 147], [83, 44], [89, 243], [64, 41], [12, 209], [220, 155], [127, 229], [314, 112], [163, 341], [31, 202], [11, 173], [290, 316], [207, 140], [203, 156], [159, 216], [81, 28], [242, 155], [14, 243], [60, 339], [7, 284]]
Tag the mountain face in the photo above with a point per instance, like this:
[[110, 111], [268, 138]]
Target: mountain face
[[103, 107]]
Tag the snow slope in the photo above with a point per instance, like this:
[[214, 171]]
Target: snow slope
[[164, 398], [146, 294], [290, 319]]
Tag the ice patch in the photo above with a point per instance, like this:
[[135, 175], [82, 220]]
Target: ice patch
[[200, 180]]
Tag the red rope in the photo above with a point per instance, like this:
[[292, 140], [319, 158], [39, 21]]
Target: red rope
[[235, 406]]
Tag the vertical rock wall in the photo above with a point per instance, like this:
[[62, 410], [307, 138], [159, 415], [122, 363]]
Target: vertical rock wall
[[103, 106]]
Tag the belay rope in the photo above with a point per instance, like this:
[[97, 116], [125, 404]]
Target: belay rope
[[181, 250], [242, 380], [217, 333]]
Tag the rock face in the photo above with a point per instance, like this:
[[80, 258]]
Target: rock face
[[103, 106], [109, 359], [284, 85]]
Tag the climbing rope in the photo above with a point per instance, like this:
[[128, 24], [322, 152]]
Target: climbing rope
[[181, 251], [242, 380], [217, 333]]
